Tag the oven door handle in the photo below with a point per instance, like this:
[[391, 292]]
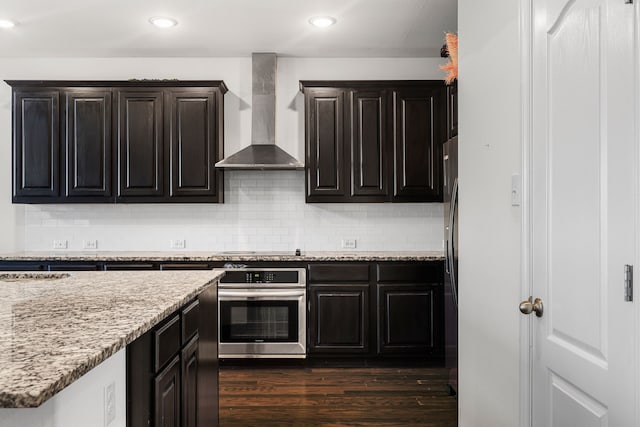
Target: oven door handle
[[260, 294]]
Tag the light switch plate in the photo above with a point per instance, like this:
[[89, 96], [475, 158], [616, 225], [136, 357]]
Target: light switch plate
[[516, 190]]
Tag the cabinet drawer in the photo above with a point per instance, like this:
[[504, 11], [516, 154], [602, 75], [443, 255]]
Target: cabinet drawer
[[167, 341], [74, 267], [185, 266], [124, 267], [336, 272], [428, 272], [190, 320], [21, 267]]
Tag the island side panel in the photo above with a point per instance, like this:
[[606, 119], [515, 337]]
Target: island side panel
[[80, 404]]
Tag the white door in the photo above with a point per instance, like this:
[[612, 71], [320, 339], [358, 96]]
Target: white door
[[584, 188]]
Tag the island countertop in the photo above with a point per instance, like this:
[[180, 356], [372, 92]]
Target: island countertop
[[54, 331], [231, 256]]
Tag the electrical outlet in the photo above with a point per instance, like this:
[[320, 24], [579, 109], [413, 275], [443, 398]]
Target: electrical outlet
[[178, 244], [89, 244], [348, 243], [109, 404], [60, 244]]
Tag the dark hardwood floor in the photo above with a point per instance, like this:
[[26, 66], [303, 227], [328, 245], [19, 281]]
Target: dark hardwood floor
[[330, 396]]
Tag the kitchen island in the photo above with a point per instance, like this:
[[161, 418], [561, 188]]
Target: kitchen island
[[56, 328]]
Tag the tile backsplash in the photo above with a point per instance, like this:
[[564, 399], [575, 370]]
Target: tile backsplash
[[263, 211]]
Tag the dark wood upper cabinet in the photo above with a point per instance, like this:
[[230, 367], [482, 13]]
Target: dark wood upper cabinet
[[374, 141], [36, 142], [325, 148], [418, 134], [140, 142], [87, 138], [192, 145], [368, 143], [117, 141]]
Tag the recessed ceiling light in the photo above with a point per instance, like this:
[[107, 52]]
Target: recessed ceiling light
[[322, 21], [163, 22], [5, 23]]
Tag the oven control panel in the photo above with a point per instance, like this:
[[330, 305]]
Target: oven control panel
[[261, 276]]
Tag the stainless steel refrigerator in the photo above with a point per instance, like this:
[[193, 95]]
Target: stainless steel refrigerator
[[451, 260]]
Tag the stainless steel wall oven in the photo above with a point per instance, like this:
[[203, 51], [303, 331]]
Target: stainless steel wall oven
[[262, 313]]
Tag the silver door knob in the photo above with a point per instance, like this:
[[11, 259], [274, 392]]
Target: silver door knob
[[531, 305]]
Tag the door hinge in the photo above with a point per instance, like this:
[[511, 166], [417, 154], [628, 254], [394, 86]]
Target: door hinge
[[628, 282]]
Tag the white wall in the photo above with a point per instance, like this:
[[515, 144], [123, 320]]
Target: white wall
[[81, 403], [490, 152], [11, 216], [263, 211]]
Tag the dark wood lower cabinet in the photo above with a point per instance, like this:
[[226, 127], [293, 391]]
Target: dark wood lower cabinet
[[21, 266], [130, 266], [339, 319], [176, 385], [376, 309], [410, 319], [189, 360], [167, 397], [74, 267]]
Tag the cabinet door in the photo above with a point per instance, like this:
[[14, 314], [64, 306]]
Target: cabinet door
[[36, 142], [339, 318], [167, 396], [452, 110], [325, 151], [140, 143], [190, 384], [410, 319], [419, 132], [88, 142], [192, 146], [368, 144]]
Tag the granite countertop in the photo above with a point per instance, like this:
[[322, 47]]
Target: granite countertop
[[54, 331], [223, 256]]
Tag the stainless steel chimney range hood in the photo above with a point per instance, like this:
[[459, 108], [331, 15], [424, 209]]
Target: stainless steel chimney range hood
[[263, 153]]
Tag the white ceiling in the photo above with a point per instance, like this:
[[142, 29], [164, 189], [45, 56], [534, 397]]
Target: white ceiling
[[120, 28]]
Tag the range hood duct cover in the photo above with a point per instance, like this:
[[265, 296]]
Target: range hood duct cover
[[263, 153]]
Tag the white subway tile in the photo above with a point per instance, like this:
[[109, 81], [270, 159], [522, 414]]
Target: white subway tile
[[262, 211]]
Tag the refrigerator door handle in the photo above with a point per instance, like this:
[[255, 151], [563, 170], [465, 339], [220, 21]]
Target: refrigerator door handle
[[446, 254], [450, 248]]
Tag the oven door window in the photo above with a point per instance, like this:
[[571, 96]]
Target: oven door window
[[259, 321]]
